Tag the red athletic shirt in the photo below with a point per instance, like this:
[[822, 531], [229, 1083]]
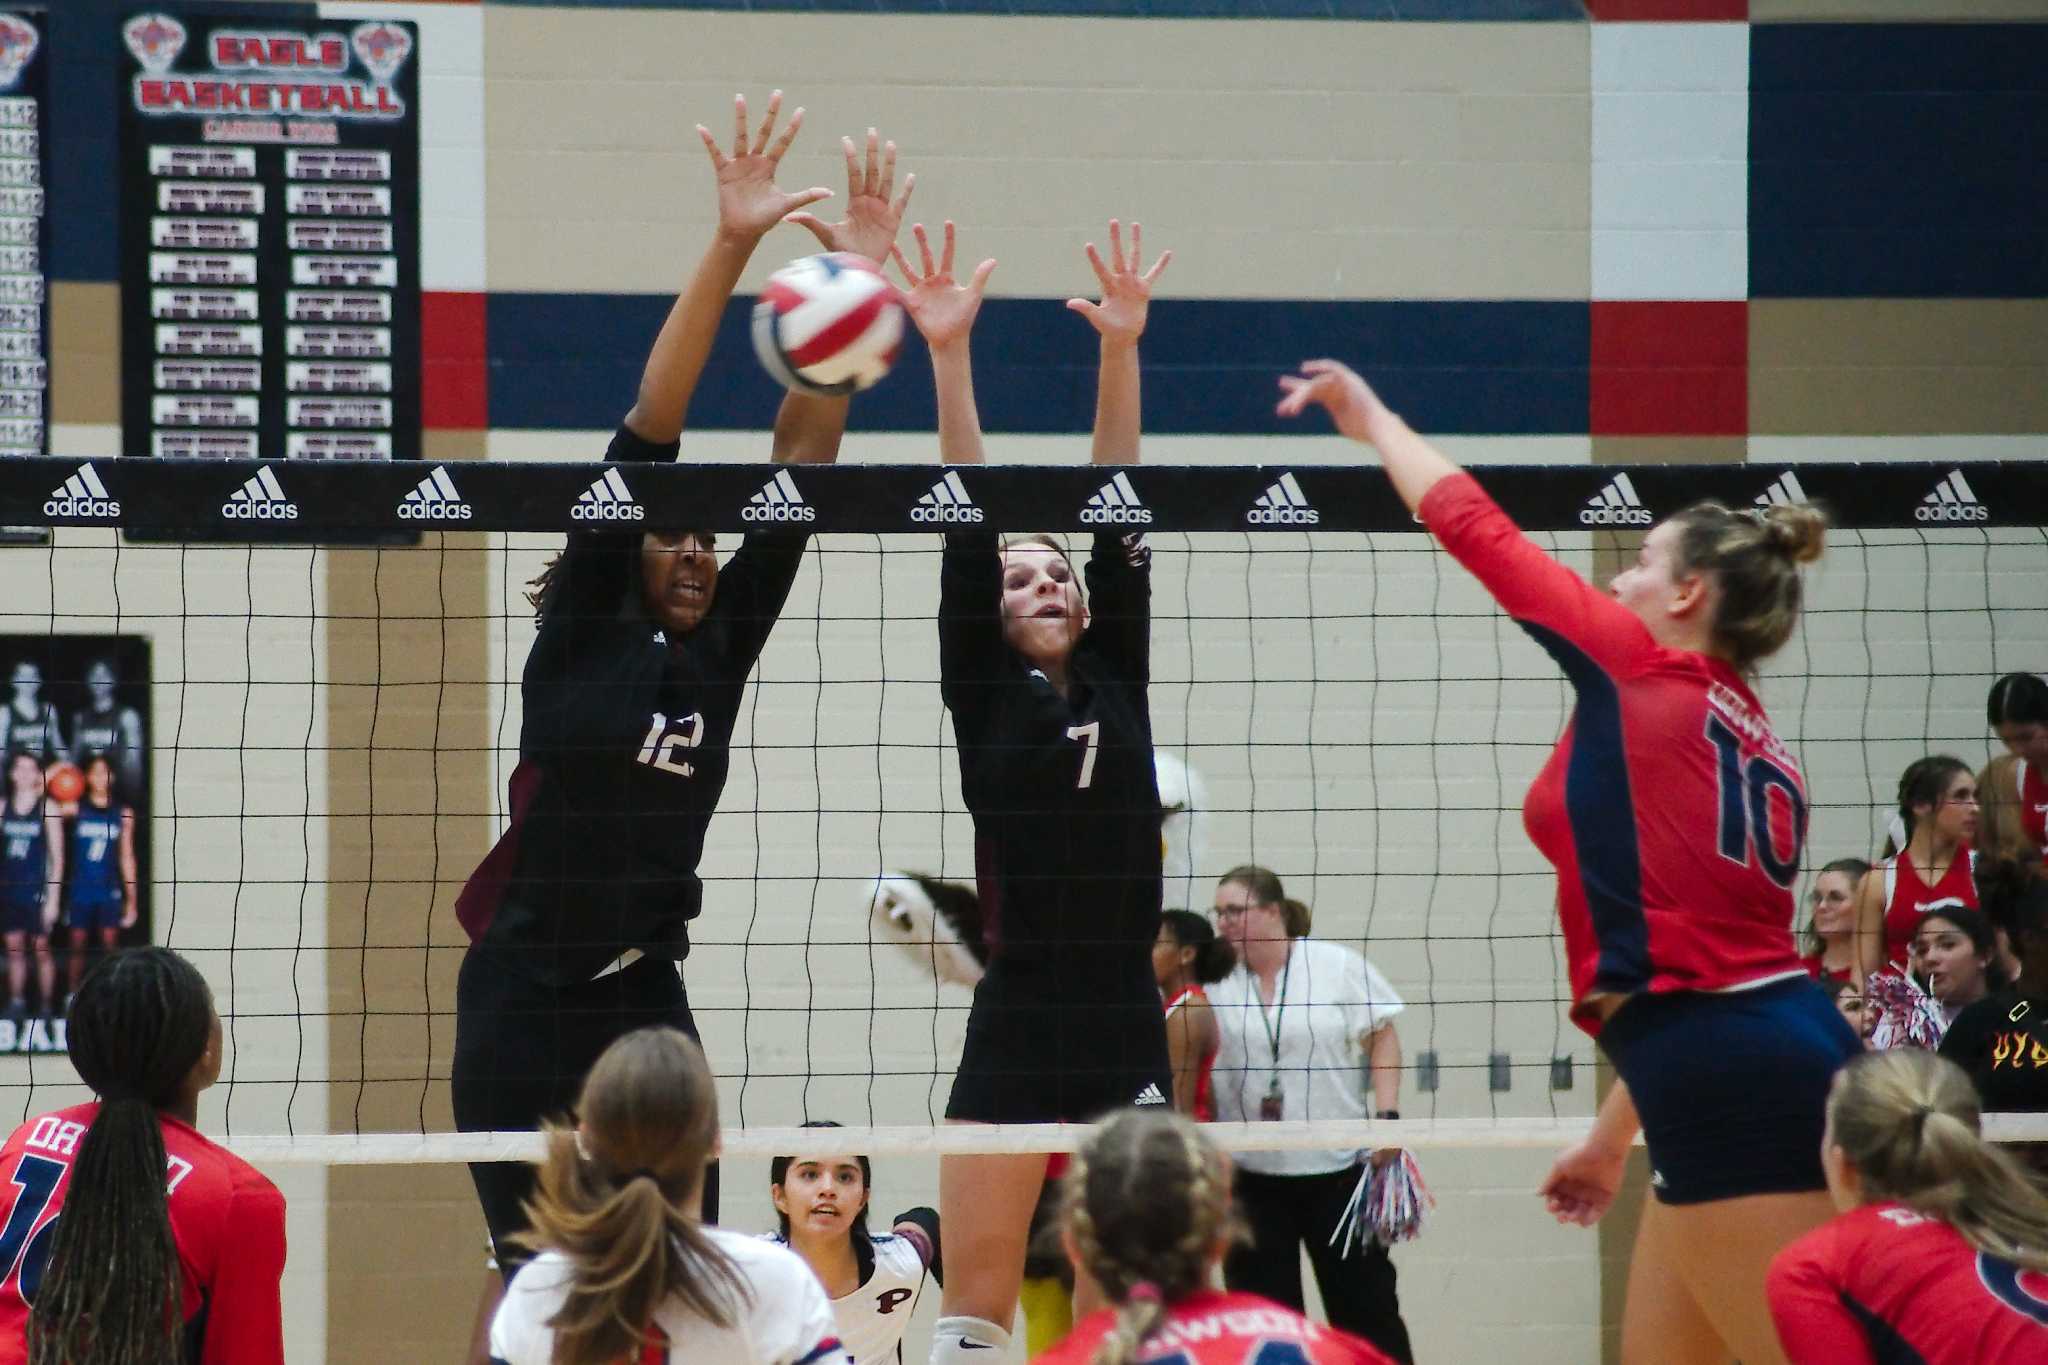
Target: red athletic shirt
[[228, 1220], [1907, 896], [1671, 811], [1814, 969], [1882, 1285], [1210, 1328], [1205, 1092], [2033, 787]]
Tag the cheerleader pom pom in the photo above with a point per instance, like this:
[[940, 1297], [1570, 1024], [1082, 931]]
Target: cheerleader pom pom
[[1388, 1205], [1906, 1015]]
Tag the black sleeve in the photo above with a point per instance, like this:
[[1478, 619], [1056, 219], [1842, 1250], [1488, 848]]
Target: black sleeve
[[1120, 604], [973, 656], [1963, 1044], [925, 1220], [752, 588], [596, 568]]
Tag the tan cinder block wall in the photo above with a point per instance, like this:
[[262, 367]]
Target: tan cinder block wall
[[408, 782]]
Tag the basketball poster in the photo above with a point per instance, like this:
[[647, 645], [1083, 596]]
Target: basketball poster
[[269, 235], [75, 736]]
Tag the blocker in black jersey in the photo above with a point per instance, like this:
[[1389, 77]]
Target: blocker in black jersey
[[623, 753], [1066, 1022]]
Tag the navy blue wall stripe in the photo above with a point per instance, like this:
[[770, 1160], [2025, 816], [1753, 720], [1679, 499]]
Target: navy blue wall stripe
[[1898, 160], [1462, 11], [574, 361]]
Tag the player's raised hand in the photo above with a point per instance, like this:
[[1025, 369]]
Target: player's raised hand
[[1126, 294], [872, 217], [1337, 388], [942, 307], [749, 202], [1582, 1183]]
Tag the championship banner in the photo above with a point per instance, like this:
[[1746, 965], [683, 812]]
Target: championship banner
[[270, 301], [24, 279]]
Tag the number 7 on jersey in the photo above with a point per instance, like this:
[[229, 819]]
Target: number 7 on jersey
[[1090, 735]]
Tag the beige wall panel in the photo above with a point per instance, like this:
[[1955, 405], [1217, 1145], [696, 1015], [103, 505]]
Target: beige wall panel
[[1458, 152], [85, 352], [1668, 450], [404, 1248], [1898, 366]]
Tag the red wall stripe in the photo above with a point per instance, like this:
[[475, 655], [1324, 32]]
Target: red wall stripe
[[454, 376], [1670, 369]]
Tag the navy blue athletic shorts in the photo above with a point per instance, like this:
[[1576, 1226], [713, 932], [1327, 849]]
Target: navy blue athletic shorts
[[1732, 1087]]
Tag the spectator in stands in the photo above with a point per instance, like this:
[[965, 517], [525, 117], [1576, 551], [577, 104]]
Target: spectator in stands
[[1956, 953], [1927, 861], [1942, 1242], [1297, 1017], [1830, 937], [2017, 710], [1848, 998], [2002, 1040]]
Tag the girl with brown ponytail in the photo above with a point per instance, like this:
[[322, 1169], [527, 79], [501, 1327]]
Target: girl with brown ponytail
[[1148, 1219], [626, 1267], [1942, 1246]]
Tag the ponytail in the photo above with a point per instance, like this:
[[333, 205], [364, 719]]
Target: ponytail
[[1909, 1122], [1755, 559], [1214, 957], [1147, 1200], [112, 1290], [611, 1200]]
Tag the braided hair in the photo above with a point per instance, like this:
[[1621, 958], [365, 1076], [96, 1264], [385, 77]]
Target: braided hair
[[113, 1289], [1147, 1203]]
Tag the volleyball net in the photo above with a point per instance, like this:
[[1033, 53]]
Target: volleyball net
[[322, 663]]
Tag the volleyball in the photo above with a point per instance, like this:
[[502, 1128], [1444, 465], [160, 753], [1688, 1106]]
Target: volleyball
[[828, 324], [65, 782]]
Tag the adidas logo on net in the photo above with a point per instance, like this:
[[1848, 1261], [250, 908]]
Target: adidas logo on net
[[1951, 500], [607, 499], [947, 502], [778, 500], [1615, 505], [260, 498], [1284, 504], [435, 499], [82, 496], [1783, 492], [1116, 503]]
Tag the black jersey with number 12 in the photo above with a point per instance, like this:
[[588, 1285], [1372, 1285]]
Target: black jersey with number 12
[[623, 752]]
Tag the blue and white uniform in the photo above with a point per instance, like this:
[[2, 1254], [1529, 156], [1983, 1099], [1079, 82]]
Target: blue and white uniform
[[94, 893]]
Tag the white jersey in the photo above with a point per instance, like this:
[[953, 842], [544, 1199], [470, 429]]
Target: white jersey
[[872, 1319], [787, 1321]]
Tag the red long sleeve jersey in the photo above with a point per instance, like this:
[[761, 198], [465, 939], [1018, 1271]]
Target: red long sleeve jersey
[[1209, 1328], [228, 1220], [1883, 1285], [1672, 813]]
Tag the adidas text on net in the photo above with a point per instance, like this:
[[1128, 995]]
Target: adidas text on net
[[434, 511], [82, 508], [778, 511], [1283, 516], [608, 511], [1951, 511], [1116, 516], [968, 514]]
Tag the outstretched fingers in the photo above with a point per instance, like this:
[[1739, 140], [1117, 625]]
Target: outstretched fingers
[[781, 147], [946, 253], [767, 127], [1158, 266], [910, 277], [1102, 272], [719, 160], [981, 274], [924, 250], [903, 199]]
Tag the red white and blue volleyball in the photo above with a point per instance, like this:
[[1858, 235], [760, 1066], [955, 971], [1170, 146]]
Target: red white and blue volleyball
[[828, 324]]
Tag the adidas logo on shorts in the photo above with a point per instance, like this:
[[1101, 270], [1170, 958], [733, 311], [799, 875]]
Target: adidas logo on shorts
[[82, 496], [1951, 500], [1284, 504], [1116, 503], [947, 502], [435, 499], [1615, 505], [260, 498], [778, 500], [1150, 1095], [607, 499], [1783, 492]]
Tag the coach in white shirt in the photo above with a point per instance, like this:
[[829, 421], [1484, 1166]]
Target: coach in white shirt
[[1297, 1017]]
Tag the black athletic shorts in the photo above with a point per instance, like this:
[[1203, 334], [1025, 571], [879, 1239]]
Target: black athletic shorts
[[522, 1049], [1732, 1087], [1025, 1061]]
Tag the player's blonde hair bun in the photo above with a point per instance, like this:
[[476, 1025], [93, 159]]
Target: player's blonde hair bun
[[1798, 531]]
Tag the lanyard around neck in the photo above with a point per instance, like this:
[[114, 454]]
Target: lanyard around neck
[[1268, 1020]]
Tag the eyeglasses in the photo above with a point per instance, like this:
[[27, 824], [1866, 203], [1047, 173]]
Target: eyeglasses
[[1230, 911]]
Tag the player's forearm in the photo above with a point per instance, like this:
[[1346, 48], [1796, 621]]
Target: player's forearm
[[1385, 1059], [1117, 403], [677, 359], [1616, 1126], [959, 419], [808, 429], [1413, 465]]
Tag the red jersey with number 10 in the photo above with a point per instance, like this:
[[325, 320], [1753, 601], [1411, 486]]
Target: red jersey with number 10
[[1673, 815], [1209, 1328], [228, 1220]]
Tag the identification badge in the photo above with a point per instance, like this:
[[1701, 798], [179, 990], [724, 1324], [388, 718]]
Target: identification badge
[[1272, 1105]]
